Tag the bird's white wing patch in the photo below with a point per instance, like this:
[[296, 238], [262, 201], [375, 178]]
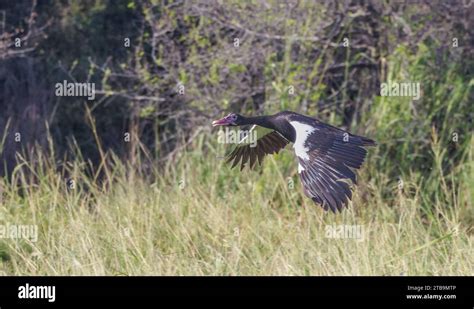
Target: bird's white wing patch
[[300, 168], [302, 130]]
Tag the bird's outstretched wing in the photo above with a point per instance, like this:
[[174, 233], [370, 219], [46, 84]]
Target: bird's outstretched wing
[[266, 142], [326, 158]]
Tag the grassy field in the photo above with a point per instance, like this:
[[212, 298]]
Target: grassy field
[[198, 217]]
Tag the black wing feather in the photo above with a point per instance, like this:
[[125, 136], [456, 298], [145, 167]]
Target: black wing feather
[[269, 143], [332, 155]]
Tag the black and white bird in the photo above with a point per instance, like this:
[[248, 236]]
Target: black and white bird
[[326, 155]]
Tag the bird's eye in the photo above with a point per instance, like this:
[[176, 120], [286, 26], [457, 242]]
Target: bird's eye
[[234, 117]]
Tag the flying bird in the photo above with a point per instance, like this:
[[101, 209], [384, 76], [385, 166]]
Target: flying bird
[[326, 155]]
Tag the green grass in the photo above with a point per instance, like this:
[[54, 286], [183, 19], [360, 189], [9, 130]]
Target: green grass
[[198, 217]]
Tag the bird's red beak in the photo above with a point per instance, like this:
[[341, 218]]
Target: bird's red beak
[[222, 122]]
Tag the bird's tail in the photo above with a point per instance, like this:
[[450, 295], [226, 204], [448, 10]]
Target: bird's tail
[[367, 141], [362, 141]]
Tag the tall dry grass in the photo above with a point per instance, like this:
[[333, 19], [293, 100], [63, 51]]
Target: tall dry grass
[[198, 217]]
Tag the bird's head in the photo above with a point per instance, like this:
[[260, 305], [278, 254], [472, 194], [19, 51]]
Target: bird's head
[[230, 120]]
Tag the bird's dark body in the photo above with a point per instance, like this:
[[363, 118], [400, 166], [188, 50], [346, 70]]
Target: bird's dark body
[[326, 154], [280, 122]]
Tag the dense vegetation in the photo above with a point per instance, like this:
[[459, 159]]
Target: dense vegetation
[[164, 202]]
